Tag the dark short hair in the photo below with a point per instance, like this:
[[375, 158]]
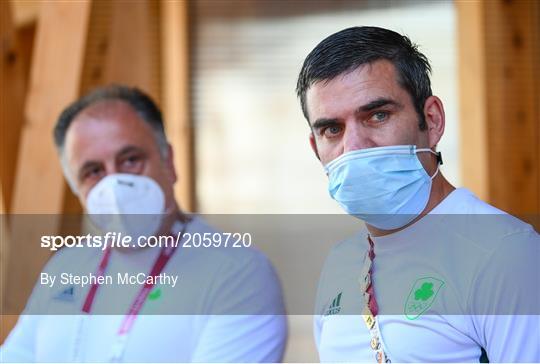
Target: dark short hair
[[350, 48], [138, 100]]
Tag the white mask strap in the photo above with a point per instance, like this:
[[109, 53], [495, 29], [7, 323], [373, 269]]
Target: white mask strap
[[437, 154], [436, 173], [439, 159]]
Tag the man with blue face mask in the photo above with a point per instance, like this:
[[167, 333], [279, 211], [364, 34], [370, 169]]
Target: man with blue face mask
[[224, 305], [439, 275]]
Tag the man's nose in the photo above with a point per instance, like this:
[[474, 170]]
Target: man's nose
[[355, 138], [111, 168]]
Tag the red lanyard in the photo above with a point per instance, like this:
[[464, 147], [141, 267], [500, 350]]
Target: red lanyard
[[160, 263]]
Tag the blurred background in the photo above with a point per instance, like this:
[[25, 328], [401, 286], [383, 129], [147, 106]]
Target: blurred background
[[224, 74]]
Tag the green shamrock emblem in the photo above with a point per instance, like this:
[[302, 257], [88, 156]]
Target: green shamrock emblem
[[421, 297], [425, 292]]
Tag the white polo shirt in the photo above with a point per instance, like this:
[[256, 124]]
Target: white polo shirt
[[240, 281], [462, 279]]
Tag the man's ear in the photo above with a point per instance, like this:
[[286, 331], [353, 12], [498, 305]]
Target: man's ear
[[169, 164], [313, 144], [434, 116]]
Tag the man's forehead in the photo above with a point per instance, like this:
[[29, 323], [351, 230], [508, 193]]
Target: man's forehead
[[109, 114], [379, 76], [105, 128], [380, 70]]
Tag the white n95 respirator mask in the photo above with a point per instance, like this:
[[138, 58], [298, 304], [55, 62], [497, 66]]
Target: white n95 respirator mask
[[387, 187], [127, 203]]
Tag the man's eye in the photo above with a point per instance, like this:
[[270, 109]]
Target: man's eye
[[379, 116], [132, 160], [92, 173], [332, 131], [131, 164]]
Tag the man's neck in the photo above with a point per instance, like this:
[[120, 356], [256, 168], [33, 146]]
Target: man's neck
[[440, 189]]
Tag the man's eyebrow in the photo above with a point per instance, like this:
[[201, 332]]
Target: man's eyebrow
[[321, 123], [87, 165], [128, 149], [377, 103]]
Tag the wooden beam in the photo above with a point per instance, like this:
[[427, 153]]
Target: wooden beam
[[176, 105], [25, 12], [54, 82], [500, 120], [12, 96]]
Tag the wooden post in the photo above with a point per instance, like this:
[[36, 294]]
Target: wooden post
[[472, 97], [54, 82], [500, 118], [176, 105], [12, 95]]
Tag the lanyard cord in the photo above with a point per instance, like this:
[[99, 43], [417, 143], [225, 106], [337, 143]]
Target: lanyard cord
[[159, 264], [129, 319], [371, 308]]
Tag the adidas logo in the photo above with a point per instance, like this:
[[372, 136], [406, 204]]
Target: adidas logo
[[66, 295], [335, 307]]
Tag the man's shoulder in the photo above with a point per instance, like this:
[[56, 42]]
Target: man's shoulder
[[472, 221], [463, 201]]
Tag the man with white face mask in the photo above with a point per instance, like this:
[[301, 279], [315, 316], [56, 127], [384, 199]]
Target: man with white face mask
[[438, 275], [225, 304]]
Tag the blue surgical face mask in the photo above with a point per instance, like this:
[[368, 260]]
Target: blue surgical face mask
[[387, 187]]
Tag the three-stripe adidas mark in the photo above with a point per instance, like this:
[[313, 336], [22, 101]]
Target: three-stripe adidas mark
[[335, 307]]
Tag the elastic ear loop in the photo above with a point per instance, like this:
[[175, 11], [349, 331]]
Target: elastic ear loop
[[439, 159]]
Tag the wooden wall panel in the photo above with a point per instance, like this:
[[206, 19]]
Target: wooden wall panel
[[512, 99], [500, 121]]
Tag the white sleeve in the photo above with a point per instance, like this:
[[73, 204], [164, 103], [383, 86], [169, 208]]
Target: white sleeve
[[247, 321], [20, 345], [505, 300], [510, 338]]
